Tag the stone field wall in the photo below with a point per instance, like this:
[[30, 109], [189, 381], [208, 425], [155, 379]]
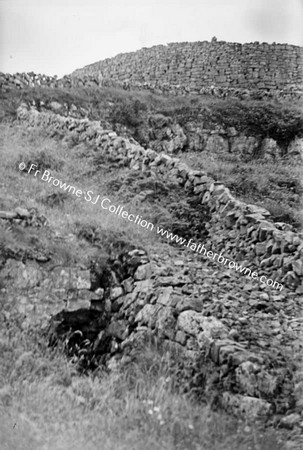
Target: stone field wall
[[243, 232]]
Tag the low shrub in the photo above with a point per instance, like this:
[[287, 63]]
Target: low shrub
[[128, 112]]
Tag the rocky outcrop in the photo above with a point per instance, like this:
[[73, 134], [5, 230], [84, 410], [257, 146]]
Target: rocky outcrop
[[164, 134], [242, 232], [222, 141], [102, 320]]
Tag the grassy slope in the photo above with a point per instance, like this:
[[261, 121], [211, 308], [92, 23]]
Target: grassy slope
[[276, 186], [44, 403]]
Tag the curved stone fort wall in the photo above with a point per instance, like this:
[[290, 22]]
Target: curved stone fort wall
[[219, 68], [193, 67]]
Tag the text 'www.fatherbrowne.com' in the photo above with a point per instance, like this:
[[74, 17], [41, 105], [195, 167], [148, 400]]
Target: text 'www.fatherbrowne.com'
[[119, 210], [199, 248]]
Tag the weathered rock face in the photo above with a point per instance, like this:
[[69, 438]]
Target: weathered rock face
[[244, 233], [196, 139], [220, 141], [216, 144], [239, 145], [164, 135], [244, 147], [295, 149], [269, 149]]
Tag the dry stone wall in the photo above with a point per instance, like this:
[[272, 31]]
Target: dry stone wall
[[31, 79], [198, 67], [255, 70], [243, 232]]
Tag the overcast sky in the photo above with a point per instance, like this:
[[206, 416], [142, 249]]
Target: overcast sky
[[58, 36]]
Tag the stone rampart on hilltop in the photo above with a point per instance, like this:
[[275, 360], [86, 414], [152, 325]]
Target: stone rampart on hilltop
[[193, 67], [219, 68]]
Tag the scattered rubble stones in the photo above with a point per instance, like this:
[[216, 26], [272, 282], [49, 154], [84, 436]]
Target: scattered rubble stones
[[24, 217], [251, 348]]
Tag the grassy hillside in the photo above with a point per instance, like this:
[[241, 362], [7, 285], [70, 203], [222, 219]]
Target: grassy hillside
[[46, 404]]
